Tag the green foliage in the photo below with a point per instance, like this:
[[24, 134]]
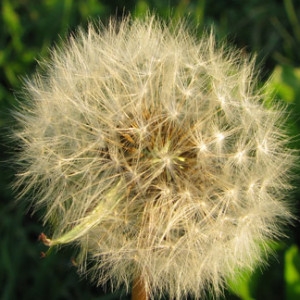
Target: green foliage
[[28, 29], [284, 85], [292, 273]]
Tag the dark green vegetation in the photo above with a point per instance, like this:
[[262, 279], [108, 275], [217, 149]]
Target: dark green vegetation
[[269, 28]]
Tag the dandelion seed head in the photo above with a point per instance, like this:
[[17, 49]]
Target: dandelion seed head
[[152, 152]]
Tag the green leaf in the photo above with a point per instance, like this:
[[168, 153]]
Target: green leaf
[[285, 83], [241, 286], [292, 273], [141, 8]]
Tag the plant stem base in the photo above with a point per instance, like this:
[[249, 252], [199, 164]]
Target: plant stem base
[[139, 290]]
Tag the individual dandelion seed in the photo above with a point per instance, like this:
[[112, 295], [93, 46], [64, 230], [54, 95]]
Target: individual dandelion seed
[[153, 153]]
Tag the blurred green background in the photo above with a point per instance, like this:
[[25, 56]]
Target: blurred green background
[[28, 28]]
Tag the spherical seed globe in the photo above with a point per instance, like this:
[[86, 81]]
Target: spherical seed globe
[[153, 153]]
